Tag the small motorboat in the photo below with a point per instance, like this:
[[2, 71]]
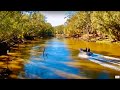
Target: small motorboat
[[84, 53]]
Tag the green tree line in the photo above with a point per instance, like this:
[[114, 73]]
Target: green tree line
[[16, 26], [105, 24], [19, 25]]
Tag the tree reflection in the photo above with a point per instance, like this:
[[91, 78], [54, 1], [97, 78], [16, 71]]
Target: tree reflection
[[5, 72]]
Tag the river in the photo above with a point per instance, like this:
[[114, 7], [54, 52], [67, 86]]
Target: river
[[58, 59]]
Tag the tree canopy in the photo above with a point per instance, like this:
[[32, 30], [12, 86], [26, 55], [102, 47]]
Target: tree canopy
[[19, 25], [104, 23]]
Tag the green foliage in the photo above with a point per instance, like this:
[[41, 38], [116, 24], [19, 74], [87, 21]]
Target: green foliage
[[102, 23], [17, 25], [59, 29]]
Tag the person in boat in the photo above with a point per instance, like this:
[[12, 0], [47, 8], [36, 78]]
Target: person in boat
[[86, 51]]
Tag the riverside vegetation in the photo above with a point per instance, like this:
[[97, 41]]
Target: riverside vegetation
[[20, 31]]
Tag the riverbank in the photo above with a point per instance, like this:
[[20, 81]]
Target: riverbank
[[13, 60], [97, 39], [10, 64], [61, 61], [5, 46]]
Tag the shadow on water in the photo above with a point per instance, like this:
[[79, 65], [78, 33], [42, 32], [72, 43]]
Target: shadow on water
[[101, 52], [51, 64], [53, 59], [5, 72], [105, 53], [48, 59]]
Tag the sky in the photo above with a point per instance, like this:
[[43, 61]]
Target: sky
[[55, 17]]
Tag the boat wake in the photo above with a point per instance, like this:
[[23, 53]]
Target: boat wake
[[106, 61], [106, 65], [83, 55]]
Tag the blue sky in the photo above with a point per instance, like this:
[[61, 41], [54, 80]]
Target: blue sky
[[55, 17]]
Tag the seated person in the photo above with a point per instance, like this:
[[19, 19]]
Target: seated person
[[88, 50]]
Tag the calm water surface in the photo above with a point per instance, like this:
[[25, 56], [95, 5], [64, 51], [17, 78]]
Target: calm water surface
[[58, 59]]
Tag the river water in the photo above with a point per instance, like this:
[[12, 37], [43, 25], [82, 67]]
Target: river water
[[58, 59]]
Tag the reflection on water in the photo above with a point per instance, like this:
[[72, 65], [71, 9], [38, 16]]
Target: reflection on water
[[103, 76], [46, 65], [57, 59], [4, 73]]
